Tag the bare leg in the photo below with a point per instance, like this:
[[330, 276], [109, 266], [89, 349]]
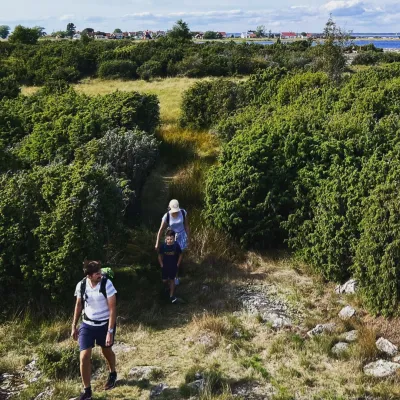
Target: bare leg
[[85, 358], [171, 287], [110, 357]]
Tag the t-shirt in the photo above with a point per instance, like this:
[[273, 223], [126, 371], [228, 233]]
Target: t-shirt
[[170, 254], [96, 306], [176, 223]]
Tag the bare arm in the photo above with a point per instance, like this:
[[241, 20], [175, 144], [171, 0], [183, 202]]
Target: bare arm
[[112, 307], [160, 260], [77, 314], [162, 227], [179, 260], [187, 230]]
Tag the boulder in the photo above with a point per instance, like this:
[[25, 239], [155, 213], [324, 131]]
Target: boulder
[[381, 368], [322, 328], [349, 287], [350, 336], [347, 312], [340, 348], [396, 359], [143, 373], [386, 347], [277, 320], [197, 385], [157, 390]]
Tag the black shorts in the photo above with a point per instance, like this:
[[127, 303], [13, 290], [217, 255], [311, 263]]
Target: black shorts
[[89, 335], [169, 272]]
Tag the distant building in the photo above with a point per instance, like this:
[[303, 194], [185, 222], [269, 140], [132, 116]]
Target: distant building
[[100, 37], [248, 35], [222, 34], [77, 36], [288, 35]]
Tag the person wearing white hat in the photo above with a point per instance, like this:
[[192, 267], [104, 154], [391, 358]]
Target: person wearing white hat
[[175, 219]]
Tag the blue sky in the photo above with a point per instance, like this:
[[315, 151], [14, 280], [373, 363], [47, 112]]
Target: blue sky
[[228, 16]]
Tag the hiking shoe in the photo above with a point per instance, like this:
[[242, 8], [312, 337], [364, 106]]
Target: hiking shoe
[[173, 299], [84, 396], [112, 379]]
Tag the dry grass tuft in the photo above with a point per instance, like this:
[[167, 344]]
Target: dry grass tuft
[[365, 349]]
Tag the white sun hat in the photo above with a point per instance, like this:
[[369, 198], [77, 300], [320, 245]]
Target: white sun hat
[[173, 206]]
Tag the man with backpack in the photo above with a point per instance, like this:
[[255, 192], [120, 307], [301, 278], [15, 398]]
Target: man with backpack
[[96, 301]]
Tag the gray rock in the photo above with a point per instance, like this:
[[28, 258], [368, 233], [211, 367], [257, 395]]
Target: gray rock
[[381, 368], [349, 287], [32, 366], [350, 336], [322, 328], [120, 347], [347, 312], [157, 390], [277, 320], [396, 359], [340, 348], [143, 373], [45, 395], [386, 347], [198, 385]]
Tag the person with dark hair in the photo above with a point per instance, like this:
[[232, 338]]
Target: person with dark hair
[[170, 257], [96, 301]]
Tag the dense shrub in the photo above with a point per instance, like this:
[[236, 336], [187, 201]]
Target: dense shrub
[[205, 103], [117, 69], [59, 363], [366, 58], [314, 165], [150, 69], [9, 88]]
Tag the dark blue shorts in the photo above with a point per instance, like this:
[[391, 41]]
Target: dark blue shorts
[[169, 272], [89, 335]]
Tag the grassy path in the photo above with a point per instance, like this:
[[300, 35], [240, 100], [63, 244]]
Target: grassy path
[[216, 332]]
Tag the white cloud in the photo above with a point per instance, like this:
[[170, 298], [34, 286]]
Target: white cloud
[[67, 17]]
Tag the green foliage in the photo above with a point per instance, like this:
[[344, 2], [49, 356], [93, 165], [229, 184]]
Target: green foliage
[[59, 363], [205, 103], [9, 88], [180, 31], [4, 31], [117, 69], [25, 35], [150, 69], [313, 165]]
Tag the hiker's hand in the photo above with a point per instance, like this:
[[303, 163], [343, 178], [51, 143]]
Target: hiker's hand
[[109, 338], [74, 333], [162, 265], [156, 247]]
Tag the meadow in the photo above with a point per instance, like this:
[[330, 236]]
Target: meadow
[[214, 333]]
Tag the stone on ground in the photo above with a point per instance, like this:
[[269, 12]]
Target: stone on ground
[[381, 368], [349, 287], [350, 336], [143, 373], [322, 328], [386, 347], [347, 312], [157, 390], [340, 348]]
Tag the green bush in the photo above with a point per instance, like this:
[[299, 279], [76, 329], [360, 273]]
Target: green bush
[[205, 103], [366, 58], [59, 363], [117, 69], [9, 88], [150, 69]]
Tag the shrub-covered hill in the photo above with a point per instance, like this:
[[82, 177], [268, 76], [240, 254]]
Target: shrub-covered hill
[[71, 169], [313, 165]]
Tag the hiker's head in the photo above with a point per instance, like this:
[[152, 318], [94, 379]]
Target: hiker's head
[[170, 237], [173, 207], [92, 269]]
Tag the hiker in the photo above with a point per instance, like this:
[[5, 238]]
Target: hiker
[[95, 296], [176, 220], [170, 257]]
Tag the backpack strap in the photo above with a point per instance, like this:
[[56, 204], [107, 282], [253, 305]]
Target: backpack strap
[[103, 285], [167, 219], [83, 290]]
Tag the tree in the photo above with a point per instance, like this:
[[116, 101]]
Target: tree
[[4, 31], [330, 54], [180, 31], [22, 34], [303, 34], [71, 29], [117, 30], [210, 35], [260, 31], [88, 31]]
